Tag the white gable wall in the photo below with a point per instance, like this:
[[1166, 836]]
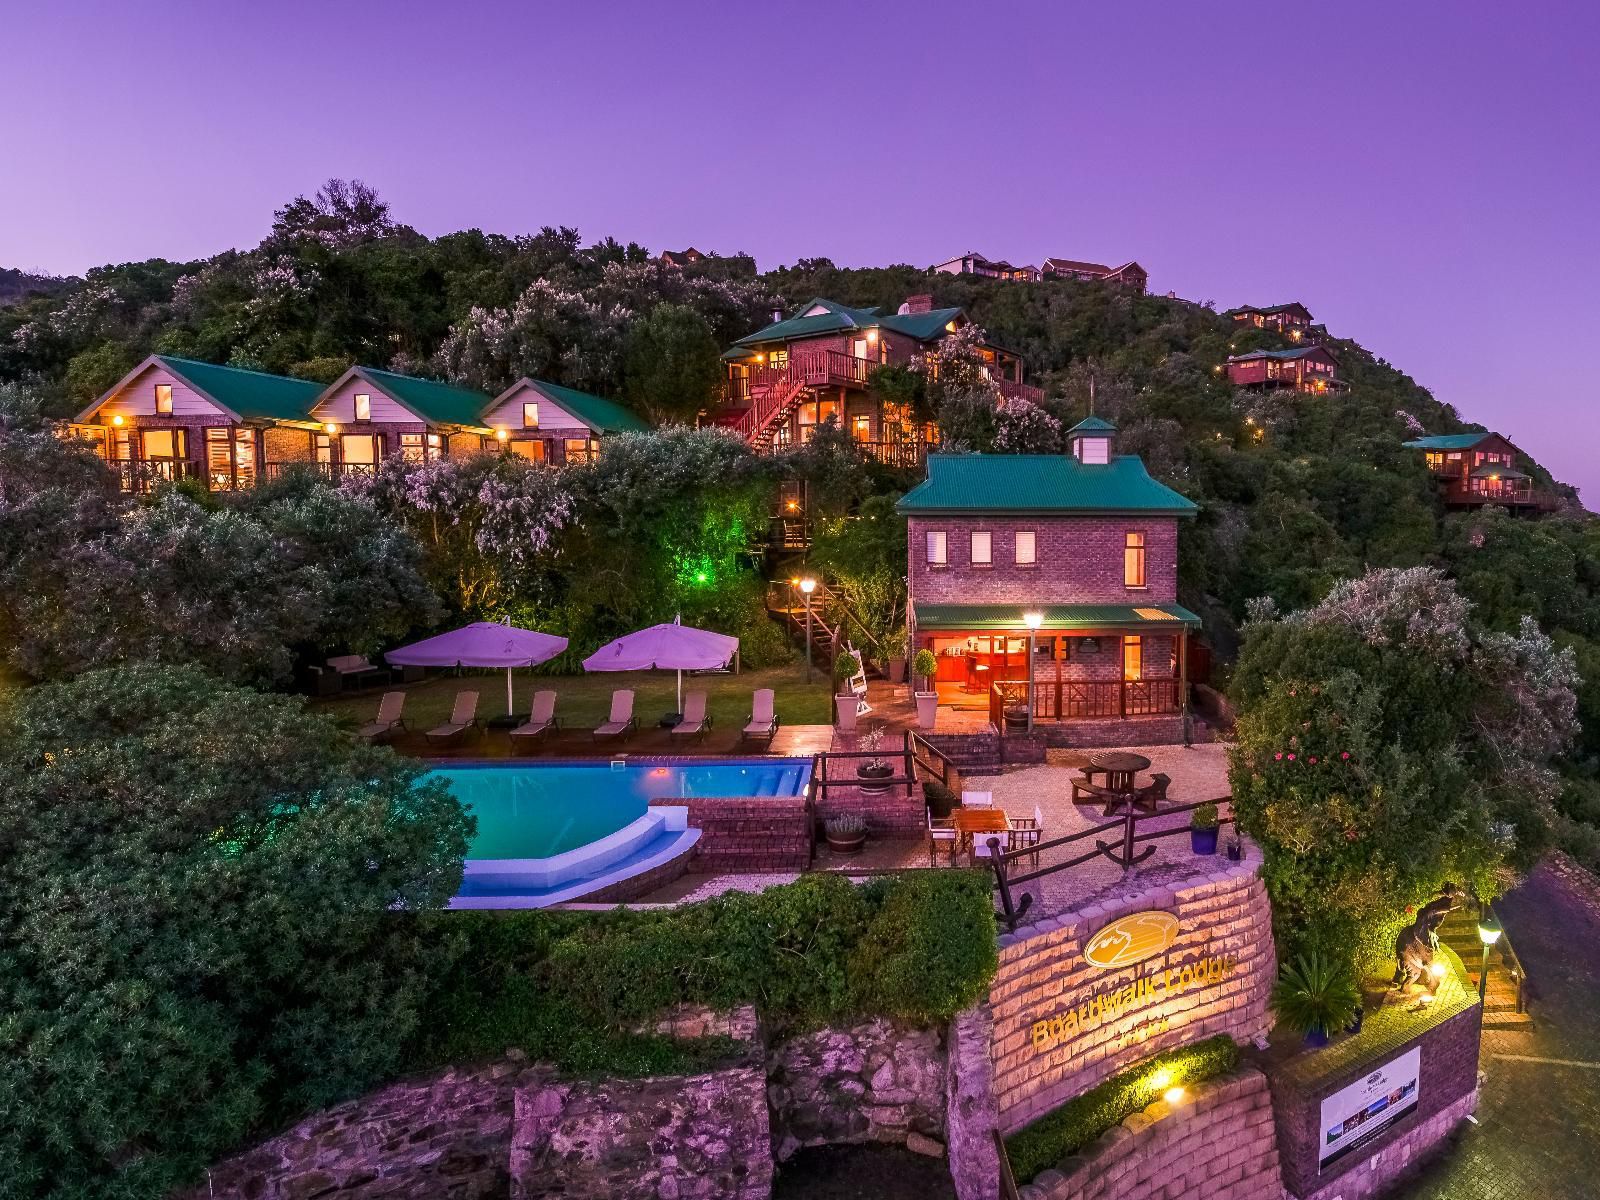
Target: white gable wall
[[138, 398], [553, 418], [340, 407]]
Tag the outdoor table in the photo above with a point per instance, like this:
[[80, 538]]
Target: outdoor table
[[1120, 767], [971, 821]]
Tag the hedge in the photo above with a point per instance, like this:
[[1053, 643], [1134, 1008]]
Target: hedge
[[1042, 1145], [568, 987]]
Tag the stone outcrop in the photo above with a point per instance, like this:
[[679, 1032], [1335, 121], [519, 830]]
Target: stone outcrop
[[875, 1082], [1215, 1144], [971, 1115]]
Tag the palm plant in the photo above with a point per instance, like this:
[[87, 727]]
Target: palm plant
[[1316, 995]]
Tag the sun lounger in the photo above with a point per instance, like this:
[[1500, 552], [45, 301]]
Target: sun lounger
[[388, 721], [462, 718], [694, 722], [621, 722], [541, 719], [763, 723]]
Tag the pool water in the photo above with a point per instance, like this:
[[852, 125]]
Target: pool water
[[539, 810]]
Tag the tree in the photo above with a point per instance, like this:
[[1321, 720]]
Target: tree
[[202, 922], [342, 214], [673, 364], [1386, 744], [866, 554]]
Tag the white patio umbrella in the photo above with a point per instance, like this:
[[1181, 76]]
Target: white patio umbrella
[[482, 644], [675, 647]]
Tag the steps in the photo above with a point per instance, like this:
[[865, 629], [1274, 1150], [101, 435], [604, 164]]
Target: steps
[[1460, 933]]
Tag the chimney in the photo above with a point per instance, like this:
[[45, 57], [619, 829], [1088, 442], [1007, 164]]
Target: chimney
[[918, 304], [777, 314]]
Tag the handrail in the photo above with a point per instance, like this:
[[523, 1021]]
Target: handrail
[[1508, 956], [1120, 852]]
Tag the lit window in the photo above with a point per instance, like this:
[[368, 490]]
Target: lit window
[[982, 547], [532, 449], [530, 415], [936, 548], [861, 428], [434, 441], [363, 406], [581, 450], [411, 447], [1025, 547], [164, 398], [1132, 658], [161, 443], [1133, 561]]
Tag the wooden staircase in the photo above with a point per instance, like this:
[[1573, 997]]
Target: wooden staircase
[[1504, 1002], [831, 619], [768, 406]]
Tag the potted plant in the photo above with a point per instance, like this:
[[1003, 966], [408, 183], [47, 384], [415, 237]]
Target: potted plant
[[846, 833], [941, 800], [1316, 995], [1235, 848], [925, 667], [1203, 829], [876, 772], [845, 668], [897, 658]]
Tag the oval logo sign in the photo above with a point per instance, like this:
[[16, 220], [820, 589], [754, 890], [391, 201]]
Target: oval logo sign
[[1131, 939]]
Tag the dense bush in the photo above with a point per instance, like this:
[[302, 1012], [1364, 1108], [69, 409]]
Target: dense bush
[[198, 922], [1079, 1121], [822, 950]]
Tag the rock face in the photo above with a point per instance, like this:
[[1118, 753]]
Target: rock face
[[972, 1115], [646, 1139], [872, 1083]]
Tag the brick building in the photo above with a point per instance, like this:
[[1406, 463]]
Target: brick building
[[797, 373], [175, 418], [1088, 544]]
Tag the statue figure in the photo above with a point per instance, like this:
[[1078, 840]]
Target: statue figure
[[1415, 946]]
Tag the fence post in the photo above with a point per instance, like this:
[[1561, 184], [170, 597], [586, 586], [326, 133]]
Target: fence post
[[1127, 839], [1010, 913]]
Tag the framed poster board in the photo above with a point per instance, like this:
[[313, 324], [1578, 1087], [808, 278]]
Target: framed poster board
[[1358, 1113]]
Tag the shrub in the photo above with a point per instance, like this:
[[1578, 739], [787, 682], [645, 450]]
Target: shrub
[[846, 667], [1079, 1121], [1204, 817], [941, 800], [846, 825], [929, 951], [1315, 994], [926, 664]]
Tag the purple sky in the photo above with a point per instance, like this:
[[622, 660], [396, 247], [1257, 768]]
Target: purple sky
[[1421, 175]]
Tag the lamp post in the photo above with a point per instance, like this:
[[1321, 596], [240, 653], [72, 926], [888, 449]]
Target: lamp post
[[1032, 620], [807, 586], [1488, 934]]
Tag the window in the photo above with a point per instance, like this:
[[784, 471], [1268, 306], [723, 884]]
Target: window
[[861, 428], [164, 398], [434, 442], [532, 449], [1025, 548], [411, 447], [358, 449], [1094, 450], [530, 415], [778, 360], [163, 443], [982, 547], [363, 406], [936, 548], [1133, 658], [324, 448], [1133, 561], [581, 450]]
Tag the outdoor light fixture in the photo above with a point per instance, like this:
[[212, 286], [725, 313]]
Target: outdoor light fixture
[[807, 586], [1173, 1095], [501, 434], [1032, 620], [872, 335], [330, 429], [1488, 933], [117, 420], [1161, 1080]]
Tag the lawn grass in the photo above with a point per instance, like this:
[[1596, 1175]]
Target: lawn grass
[[583, 701]]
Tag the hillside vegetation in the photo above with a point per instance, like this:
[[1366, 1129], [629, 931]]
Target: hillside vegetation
[[1297, 491]]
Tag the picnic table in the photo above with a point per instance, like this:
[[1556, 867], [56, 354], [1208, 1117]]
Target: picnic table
[[1119, 768], [972, 821]]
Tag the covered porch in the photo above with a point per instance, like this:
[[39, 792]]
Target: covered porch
[[1062, 662]]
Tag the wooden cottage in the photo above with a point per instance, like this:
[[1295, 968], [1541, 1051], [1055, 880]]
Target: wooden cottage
[[549, 423]]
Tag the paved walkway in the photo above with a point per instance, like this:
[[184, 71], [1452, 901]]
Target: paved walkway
[[1539, 1112]]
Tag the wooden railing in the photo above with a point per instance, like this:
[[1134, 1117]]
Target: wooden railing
[[934, 761], [1512, 493], [1508, 954], [1120, 850], [141, 475], [1011, 390], [1069, 700], [329, 470]]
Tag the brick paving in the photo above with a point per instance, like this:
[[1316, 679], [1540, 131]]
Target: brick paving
[[1539, 1121]]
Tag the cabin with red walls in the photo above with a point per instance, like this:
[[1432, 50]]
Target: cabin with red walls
[[1303, 368]]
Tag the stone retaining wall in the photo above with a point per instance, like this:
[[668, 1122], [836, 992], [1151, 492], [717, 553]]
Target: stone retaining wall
[[874, 1082], [971, 1118], [743, 833], [1062, 1026], [1215, 1144]]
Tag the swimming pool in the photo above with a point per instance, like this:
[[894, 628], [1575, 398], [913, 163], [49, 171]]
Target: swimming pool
[[552, 831]]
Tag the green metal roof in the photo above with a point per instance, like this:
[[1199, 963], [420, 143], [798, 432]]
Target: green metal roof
[[598, 413], [1296, 352], [1092, 425], [1267, 308], [925, 327], [436, 403], [249, 395], [1447, 441], [1142, 617], [1040, 483]]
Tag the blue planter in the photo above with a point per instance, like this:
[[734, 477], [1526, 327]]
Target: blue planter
[[1203, 841], [1317, 1037]]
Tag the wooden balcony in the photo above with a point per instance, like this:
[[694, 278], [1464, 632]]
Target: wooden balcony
[[141, 476], [1516, 494], [1011, 390], [1072, 700]]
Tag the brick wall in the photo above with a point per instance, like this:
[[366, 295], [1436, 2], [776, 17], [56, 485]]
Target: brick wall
[[286, 445], [1062, 1026], [1080, 561], [1447, 1080], [1113, 731], [1216, 1144], [900, 811], [740, 833]]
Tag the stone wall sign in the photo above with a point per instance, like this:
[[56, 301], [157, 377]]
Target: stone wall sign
[[1131, 939]]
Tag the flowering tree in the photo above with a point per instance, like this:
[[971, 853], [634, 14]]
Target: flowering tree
[[1386, 745], [342, 214], [551, 332], [1022, 427]]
